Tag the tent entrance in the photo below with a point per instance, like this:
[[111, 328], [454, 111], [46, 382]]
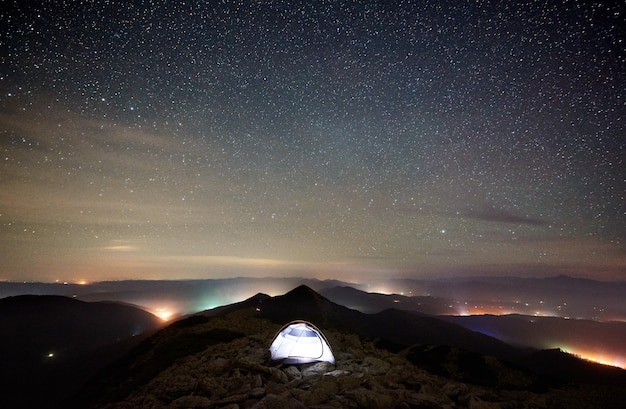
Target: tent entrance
[[300, 342]]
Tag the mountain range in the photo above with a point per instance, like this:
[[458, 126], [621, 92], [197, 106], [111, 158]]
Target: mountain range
[[555, 296], [398, 359], [62, 352], [603, 341]]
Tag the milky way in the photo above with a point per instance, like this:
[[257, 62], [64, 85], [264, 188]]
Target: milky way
[[152, 139]]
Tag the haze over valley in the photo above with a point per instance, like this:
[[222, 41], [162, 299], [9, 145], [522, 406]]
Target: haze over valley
[[583, 317], [52, 338]]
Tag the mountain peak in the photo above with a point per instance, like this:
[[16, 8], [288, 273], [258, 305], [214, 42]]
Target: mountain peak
[[303, 291], [300, 303], [305, 297]]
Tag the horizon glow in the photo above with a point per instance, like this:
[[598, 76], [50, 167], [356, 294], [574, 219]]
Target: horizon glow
[[600, 357]]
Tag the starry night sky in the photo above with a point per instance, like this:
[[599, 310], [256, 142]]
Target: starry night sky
[[349, 140]]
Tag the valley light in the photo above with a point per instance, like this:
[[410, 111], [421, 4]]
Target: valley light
[[163, 314], [597, 357]]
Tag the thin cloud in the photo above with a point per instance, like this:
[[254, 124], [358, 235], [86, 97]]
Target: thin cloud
[[492, 214]]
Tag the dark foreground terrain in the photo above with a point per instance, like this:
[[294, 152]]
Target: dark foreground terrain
[[393, 359], [50, 345]]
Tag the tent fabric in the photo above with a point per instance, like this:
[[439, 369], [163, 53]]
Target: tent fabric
[[300, 342]]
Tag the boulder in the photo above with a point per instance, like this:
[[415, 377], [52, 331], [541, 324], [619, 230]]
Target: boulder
[[292, 372], [367, 399], [192, 402]]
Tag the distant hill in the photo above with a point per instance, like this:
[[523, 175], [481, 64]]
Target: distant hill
[[370, 303], [602, 340], [182, 296], [51, 344], [562, 295], [219, 358], [574, 297]]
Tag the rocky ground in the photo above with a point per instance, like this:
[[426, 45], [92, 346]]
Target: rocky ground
[[231, 370]]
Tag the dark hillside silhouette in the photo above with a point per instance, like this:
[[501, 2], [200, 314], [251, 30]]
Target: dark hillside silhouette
[[229, 346], [52, 344]]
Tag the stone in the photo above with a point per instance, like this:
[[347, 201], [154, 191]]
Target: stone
[[192, 402], [237, 384], [257, 393], [274, 388], [278, 376], [337, 372], [426, 402], [257, 381], [240, 397], [315, 369], [300, 394], [367, 399], [376, 366], [219, 365], [322, 390], [475, 402], [292, 373], [251, 366], [346, 383], [456, 391], [282, 401]]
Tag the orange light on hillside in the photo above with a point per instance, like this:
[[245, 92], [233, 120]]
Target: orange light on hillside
[[163, 313], [598, 357]]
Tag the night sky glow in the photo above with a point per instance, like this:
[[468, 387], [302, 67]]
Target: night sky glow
[[152, 139]]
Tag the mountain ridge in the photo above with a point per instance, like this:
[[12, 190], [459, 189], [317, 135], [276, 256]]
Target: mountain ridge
[[220, 359], [55, 343]]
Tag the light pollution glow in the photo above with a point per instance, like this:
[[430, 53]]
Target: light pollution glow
[[96, 213], [600, 357]]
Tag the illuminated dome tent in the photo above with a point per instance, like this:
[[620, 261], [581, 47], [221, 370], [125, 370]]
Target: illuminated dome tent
[[301, 342]]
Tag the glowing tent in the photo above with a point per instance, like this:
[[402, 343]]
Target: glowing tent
[[300, 342]]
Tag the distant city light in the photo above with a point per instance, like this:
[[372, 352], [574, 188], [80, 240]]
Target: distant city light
[[163, 313], [597, 357]]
